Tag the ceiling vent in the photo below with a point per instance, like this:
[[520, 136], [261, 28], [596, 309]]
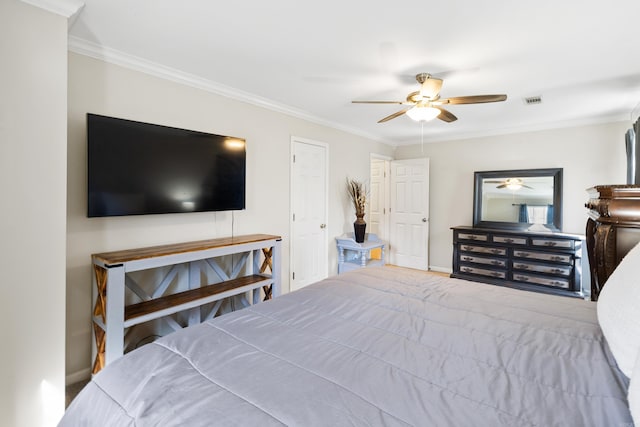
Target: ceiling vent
[[533, 100]]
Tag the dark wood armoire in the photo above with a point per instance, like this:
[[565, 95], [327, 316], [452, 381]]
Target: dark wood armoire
[[613, 228]]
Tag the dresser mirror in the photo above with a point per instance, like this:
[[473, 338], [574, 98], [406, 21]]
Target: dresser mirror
[[526, 199]]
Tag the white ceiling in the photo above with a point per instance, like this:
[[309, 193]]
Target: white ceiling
[[313, 58]]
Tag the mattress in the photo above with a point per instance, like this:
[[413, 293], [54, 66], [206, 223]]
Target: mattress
[[381, 346]]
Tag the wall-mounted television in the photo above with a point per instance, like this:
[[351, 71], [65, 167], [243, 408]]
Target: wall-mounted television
[[137, 168]]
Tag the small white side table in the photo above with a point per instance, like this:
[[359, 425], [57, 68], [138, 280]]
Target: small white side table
[[352, 255]]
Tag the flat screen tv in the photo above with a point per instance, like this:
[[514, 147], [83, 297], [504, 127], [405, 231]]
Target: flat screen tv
[[139, 168]]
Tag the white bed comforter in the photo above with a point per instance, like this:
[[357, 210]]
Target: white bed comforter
[[377, 347]]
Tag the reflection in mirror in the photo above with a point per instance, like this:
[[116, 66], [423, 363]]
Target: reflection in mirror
[[518, 199], [524, 199]]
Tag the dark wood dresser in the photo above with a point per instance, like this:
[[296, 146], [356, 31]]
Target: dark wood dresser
[[535, 261], [613, 228]]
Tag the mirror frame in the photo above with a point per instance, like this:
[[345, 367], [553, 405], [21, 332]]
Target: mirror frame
[[556, 173]]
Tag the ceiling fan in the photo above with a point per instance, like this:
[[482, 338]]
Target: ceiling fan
[[425, 104], [510, 183]]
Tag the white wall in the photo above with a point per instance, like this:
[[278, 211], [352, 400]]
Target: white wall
[[589, 155], [99, 87], [33, 88]]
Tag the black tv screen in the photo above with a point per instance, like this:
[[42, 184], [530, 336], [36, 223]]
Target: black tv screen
[[139, 168]]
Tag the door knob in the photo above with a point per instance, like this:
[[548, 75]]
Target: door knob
[[424, 219], [323, 226]]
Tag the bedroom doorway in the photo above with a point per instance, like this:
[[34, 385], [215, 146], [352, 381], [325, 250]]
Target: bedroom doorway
[[309, 200], [378, 215], [409, 213]]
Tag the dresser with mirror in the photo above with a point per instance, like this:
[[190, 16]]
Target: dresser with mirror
[[516, 237]]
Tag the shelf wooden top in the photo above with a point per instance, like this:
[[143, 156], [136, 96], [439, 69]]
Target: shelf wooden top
[[347, 241], [119, 257]]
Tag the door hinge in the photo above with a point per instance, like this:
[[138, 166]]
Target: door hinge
[[384, 211], [293, 275], [294, 158], [294, 217]]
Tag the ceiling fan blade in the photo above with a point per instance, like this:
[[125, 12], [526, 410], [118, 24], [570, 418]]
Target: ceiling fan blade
[[446, 115], [477, 99], [378, 102], [502, 186], [393, 116]]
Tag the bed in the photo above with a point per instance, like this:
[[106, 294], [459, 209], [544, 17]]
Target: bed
[[381, 346]]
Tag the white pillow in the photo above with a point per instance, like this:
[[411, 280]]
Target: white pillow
[[619, 311], [634, 393]]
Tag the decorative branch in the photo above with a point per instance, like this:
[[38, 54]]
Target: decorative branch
[[358, 194]]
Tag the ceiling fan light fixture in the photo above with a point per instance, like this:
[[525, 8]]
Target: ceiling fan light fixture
[[514, 186], [430, 88], [423, 113], [514, 183], [423, 102]]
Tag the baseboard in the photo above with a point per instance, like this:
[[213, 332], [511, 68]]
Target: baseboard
[[440, 269], [76, 377]]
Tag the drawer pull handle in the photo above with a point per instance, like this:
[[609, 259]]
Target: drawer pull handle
[[467, 258], [496, 274], [549, 243], [557, 258], [557, 270], [496, 262], [522, 266], [523, 278], [496, 251], [467, 248], [523, 254], [467, 269], [471, 237], [508, 240]]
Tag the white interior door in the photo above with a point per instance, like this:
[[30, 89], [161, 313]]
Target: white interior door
[[309, 253], [377, 221], [409, 213]]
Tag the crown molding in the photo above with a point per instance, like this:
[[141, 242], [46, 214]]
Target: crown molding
[[94, 50], [67, 8], [525, 129]]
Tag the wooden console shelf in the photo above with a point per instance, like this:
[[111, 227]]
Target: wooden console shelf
[[111, 315], [173, 303]]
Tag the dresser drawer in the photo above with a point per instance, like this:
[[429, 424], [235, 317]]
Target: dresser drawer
[[552, 243], [543, 256], [473, 236], [538, 280], [510, 240], [534, 261], [497, 262], [560, 270], [484, 250], [483, 272]]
